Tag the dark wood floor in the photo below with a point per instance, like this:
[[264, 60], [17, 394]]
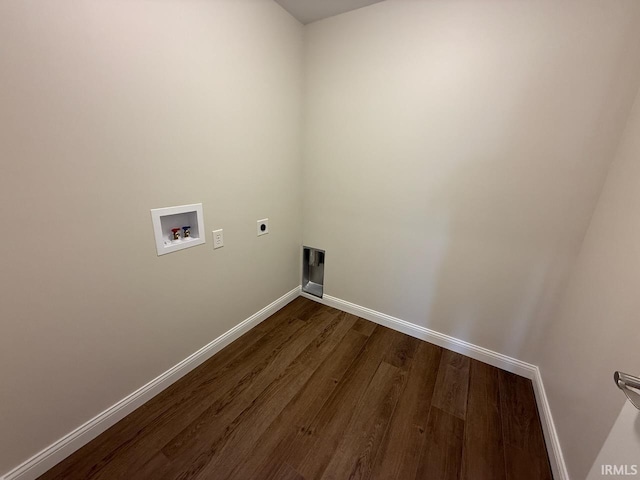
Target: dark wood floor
[[313, 392]]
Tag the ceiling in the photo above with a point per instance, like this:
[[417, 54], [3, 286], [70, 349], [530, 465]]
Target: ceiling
[[307, 11]]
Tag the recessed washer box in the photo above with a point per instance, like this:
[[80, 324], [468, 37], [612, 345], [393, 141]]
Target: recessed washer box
[[165, 220]]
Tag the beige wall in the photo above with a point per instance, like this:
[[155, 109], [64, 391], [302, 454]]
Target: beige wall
[[109, 109], [454, 153], [596, 330]]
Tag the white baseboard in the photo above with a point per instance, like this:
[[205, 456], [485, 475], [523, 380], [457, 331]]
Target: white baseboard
[[58, 451], [558, 465], [485, 355]]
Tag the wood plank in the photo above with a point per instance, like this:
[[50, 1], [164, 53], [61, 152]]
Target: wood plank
[[236, 441], [158, 462], [525, 452], [287, 472], [483, 451], [289, 311], [364, 326], [452, 384], [253, 378], [272, 446], [402, 354], [356, 454], [308, 308], [400, 452], [442, 454], [317, 441], [197, 444], [239, 438], [328, 338]]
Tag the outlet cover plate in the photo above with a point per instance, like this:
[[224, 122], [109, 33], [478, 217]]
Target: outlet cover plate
[[263, 226], [218, 238]]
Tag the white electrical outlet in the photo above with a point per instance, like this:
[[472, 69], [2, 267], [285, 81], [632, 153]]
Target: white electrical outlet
[[263, 226], [218, 238]]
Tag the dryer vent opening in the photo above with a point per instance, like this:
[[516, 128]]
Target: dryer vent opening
[[313, 271]]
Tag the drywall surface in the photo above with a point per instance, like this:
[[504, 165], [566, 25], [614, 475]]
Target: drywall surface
[[454, 153], [596, 329], [110, 109], [620, 450]]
